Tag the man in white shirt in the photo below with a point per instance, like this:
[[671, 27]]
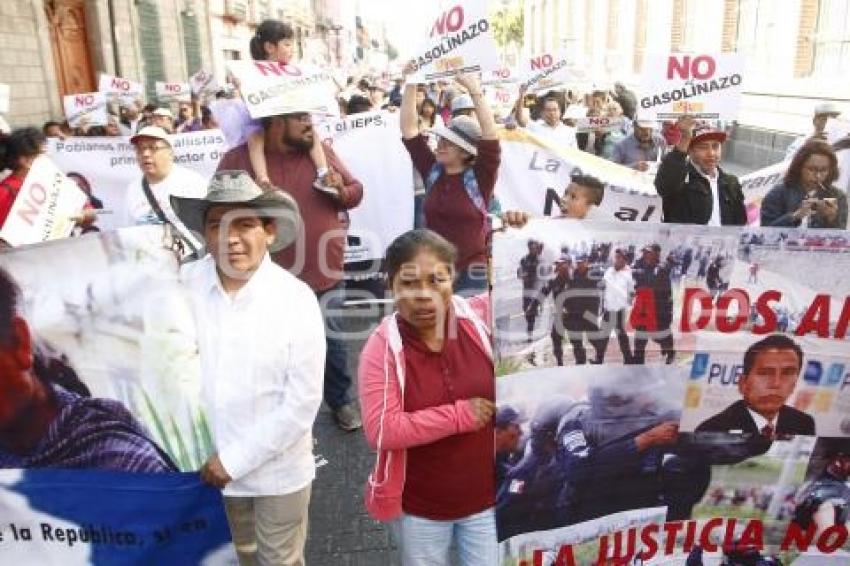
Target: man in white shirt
[[155, 157], [262, 347], [619, 292], [550, 126]]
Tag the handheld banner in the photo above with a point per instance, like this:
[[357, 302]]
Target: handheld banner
[[546, 70], [123, 90], [203, 82], [173, 92], [87, 109], [680, 393], [705, 86]]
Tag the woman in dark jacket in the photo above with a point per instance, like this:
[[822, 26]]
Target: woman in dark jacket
[[806, 196]]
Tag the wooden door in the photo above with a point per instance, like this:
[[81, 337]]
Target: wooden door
[[67, 22]]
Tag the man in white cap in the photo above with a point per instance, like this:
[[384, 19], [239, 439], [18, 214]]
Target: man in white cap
[[163, 118], [639, 150], [147, 198], [550, 126], [262, 347], [823, 112]]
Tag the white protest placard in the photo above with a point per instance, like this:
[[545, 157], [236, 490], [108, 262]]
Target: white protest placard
[[176, 92], [501, 95], [123, 90], [203, 82], [459, 41], [85, 109], [546, 70], [4, 98], [836, 129], [386, 210], [500, 76], [599, 123], [270, 88], [45, 206], [705, 86]]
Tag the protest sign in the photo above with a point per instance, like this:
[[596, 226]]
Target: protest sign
[[80, 517], [500, 76], [270, 88], [545, 70], [836, 129], [706, 86], [87, 109], [386, 210], [533, 175], [203, 82], [4, 98], [658, 444], [459, 41], [599, 123], [45, 206], [108, 165], [123, 90], [114, 344], [501, 95], [173, 92]]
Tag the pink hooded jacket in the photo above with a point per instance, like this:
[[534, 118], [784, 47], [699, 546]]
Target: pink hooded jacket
[[388, 428]]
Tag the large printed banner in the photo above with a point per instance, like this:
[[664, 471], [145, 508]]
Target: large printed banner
[[534, 175], [45, 207], [270, 88], [386, 210], [114, 372], [106, 166], [459, 41], [707, 86], [671, 392]]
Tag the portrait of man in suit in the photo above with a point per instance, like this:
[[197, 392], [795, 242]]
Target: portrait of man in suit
[[771, 369]]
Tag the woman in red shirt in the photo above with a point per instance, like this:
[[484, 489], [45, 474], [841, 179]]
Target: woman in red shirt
[[17, 153], [459, 177], [426, 391]]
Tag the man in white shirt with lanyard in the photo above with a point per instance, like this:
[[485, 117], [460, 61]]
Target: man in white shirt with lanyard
[[262, 347], [147, 198], [619, 292]]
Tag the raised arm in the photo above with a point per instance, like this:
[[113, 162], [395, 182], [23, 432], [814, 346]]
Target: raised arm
[[409, 118], [519, 115], [482, 109]]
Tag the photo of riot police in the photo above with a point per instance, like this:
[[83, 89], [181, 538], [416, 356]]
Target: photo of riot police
[[595, 444], [824, 500], [562, 291]]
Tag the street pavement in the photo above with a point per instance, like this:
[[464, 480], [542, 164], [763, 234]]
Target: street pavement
[[341, 533]]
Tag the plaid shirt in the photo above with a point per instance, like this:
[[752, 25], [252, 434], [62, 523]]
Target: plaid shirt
[[92, 433]]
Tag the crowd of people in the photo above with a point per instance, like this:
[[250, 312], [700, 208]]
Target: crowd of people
[[427, 395]]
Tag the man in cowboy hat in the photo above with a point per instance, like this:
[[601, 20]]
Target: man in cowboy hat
[[262, 347], [693, 188]]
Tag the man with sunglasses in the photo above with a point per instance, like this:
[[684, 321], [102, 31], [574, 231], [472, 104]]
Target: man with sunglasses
[[318, 254], [148, 198]]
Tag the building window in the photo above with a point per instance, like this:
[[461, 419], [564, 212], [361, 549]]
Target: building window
[[832, 39], [757, 35], [151, 45], [232, 55]]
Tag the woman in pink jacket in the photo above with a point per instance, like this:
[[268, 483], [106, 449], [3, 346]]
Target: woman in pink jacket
[[426, 392]]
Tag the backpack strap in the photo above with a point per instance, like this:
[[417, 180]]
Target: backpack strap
[[160, 214]]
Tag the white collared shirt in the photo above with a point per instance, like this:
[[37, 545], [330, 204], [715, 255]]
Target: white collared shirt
[[715, 218], [619, 288], [761, 422], [559, 135], [262, 370]]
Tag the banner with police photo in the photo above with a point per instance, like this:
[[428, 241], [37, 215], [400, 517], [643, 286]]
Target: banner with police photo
[[671, 392], [107, 389]]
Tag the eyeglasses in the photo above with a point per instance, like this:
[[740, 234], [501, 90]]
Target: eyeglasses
[[151, 147]]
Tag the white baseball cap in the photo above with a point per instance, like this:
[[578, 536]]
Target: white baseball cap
[[827, 108], [154, 132]]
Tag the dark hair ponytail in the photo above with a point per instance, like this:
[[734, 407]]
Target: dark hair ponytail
[[270, 31]]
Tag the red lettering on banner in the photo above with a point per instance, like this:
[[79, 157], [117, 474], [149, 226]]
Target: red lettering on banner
[[502, 73], [35, 197], [647, 539], [448, 22], [705, 539], [172, 87], [541, 62], [267, 68], [705, 307], [84, 100], [763, 308], [643, 311], [120, 84], [724, 323], [701, 67], [816, 318]]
